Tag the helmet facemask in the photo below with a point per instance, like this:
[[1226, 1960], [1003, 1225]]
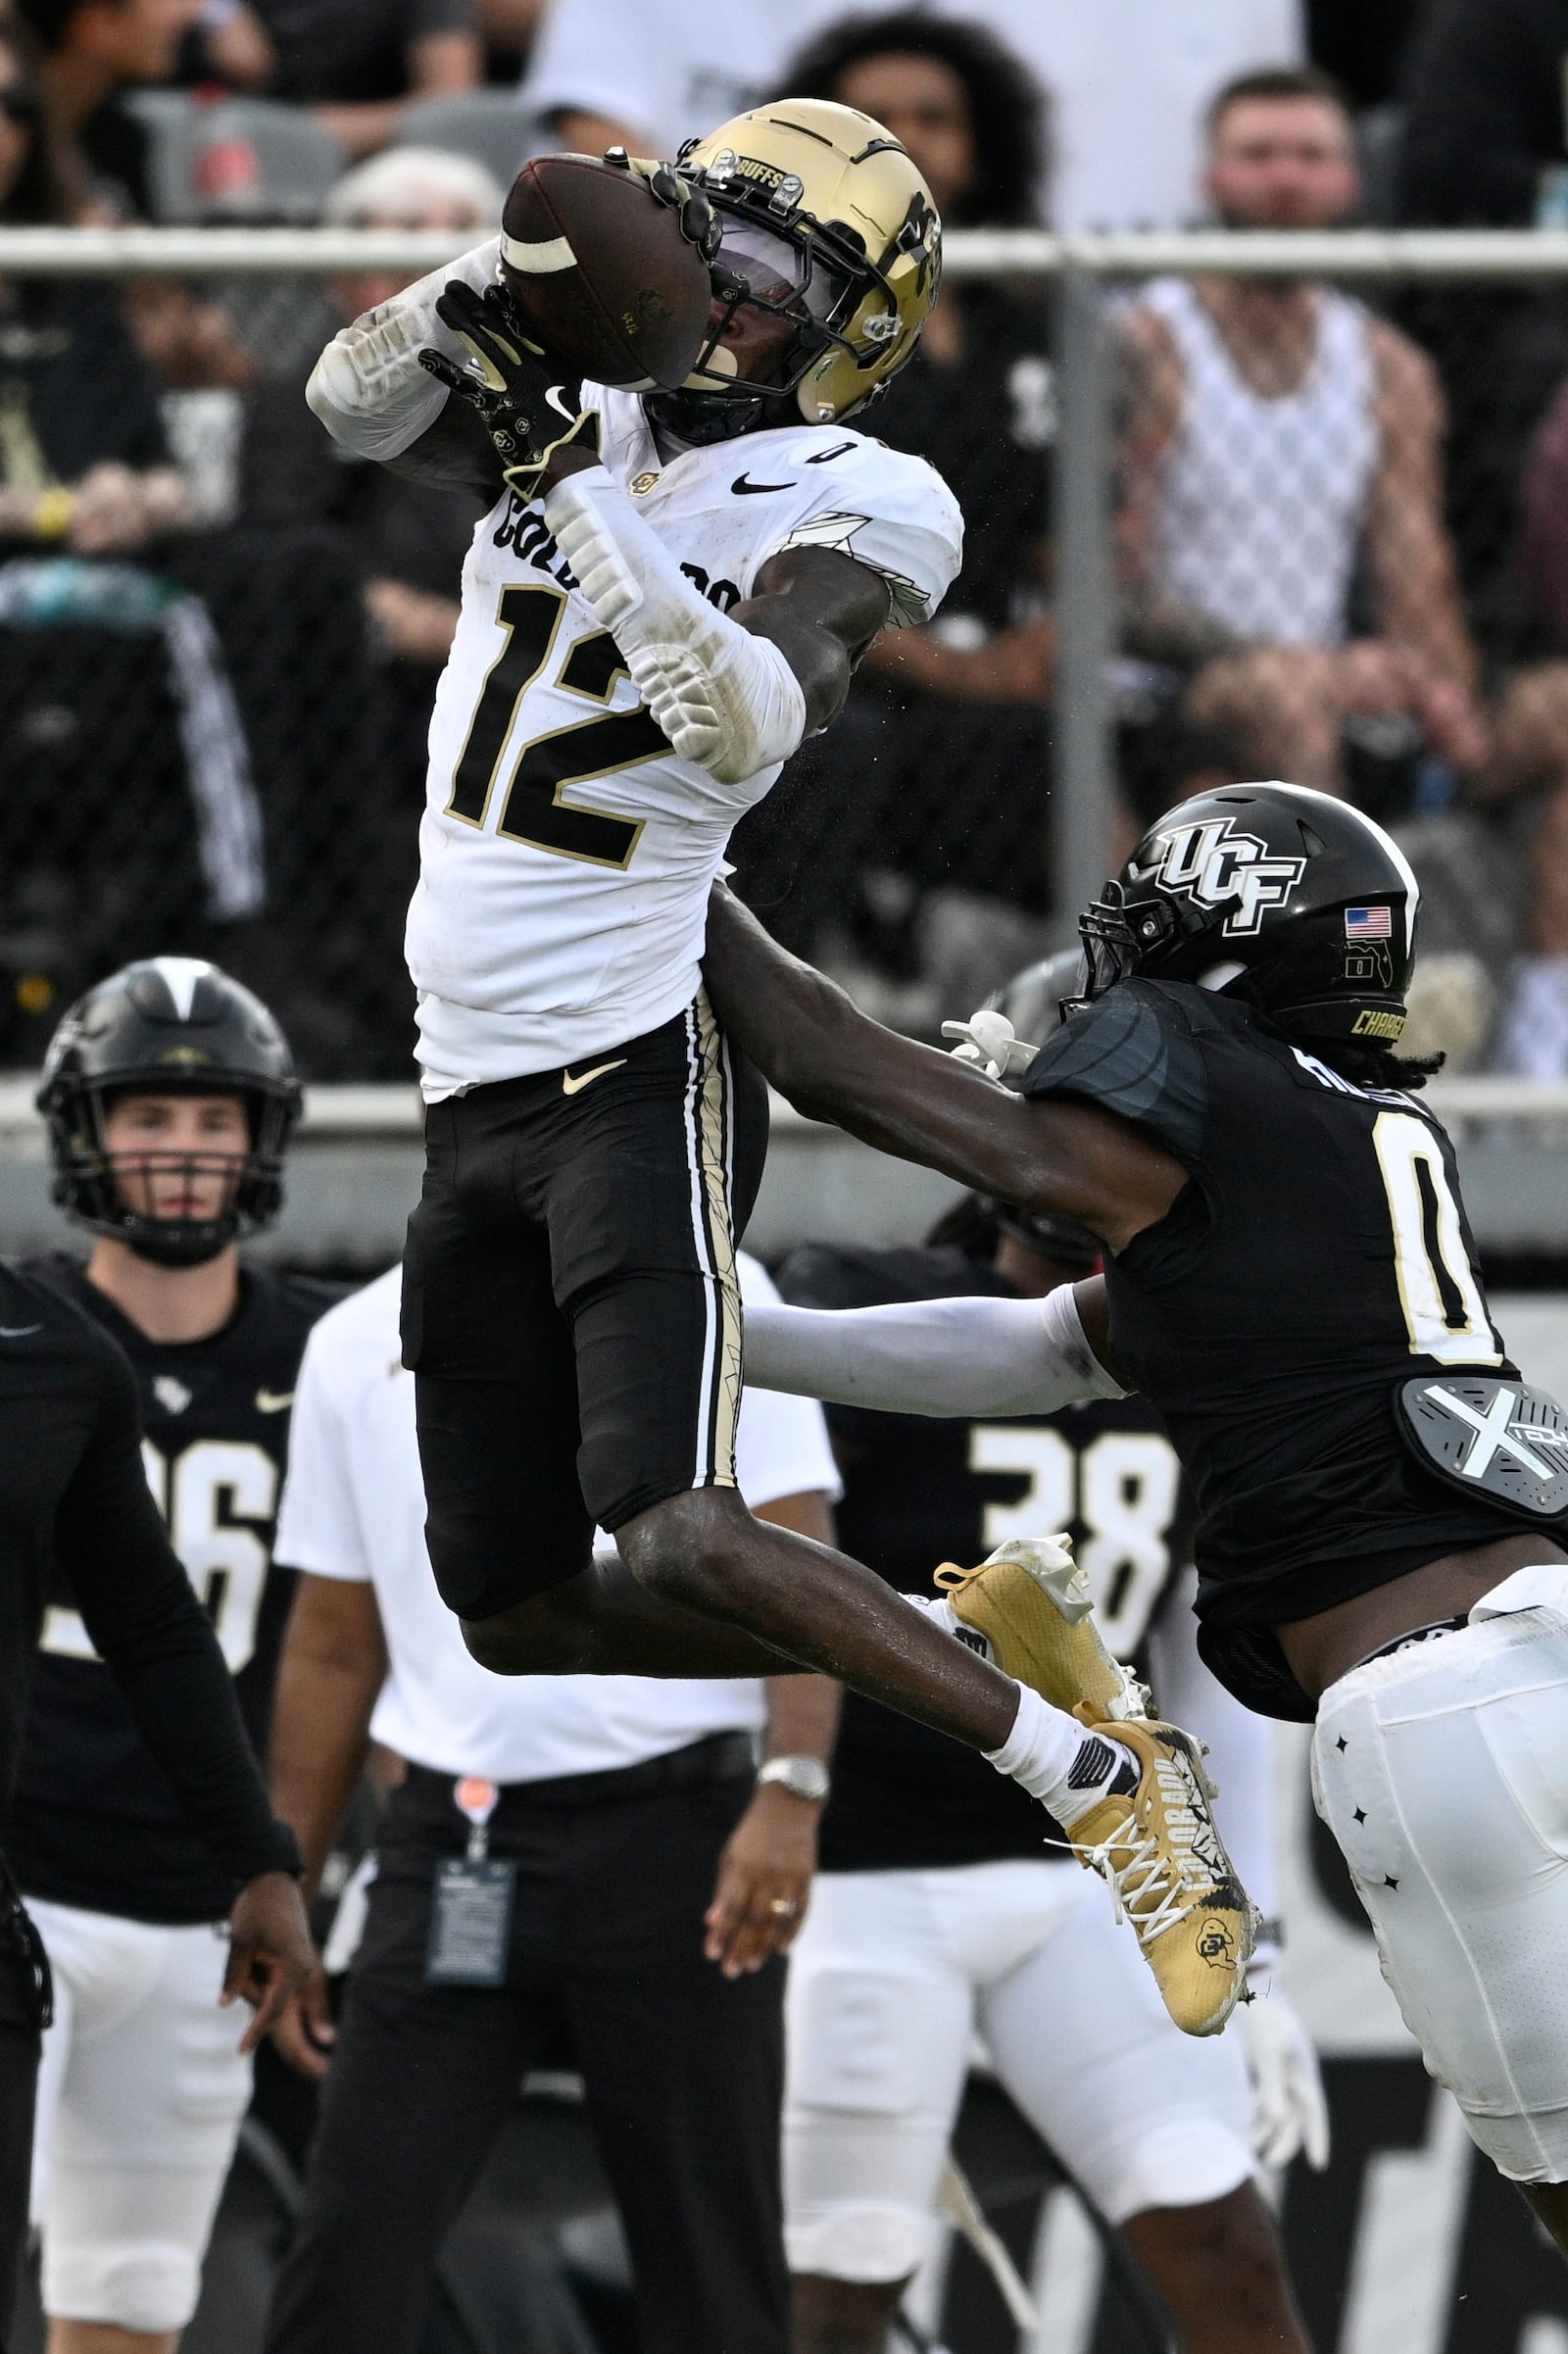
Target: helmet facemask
[[99, 1184], [806, 273], [169, 1026]]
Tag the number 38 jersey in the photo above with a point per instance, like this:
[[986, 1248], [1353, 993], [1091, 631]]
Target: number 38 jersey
[[918, 1491], [567, 853], [94, 1822], [1318, 1260]]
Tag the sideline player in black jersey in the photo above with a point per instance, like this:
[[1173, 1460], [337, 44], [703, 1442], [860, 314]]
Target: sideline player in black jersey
[[170, 1095], [1291, 1282], [935, 1909]]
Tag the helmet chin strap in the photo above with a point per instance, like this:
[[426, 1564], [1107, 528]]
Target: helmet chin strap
[[185, 1244], [695, 420]]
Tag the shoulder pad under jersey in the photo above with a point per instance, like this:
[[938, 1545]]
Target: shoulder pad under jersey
[[1131, 1053]]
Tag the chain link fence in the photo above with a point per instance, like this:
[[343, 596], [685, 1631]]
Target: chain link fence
[[1235, 506]]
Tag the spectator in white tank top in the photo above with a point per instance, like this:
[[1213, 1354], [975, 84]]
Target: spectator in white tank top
[[1282, 442]]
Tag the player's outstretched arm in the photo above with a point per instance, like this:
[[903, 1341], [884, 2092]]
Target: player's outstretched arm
[[961, 1357], [834, 1064]]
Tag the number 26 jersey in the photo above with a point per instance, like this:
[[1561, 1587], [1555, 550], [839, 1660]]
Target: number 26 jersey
[[566, 851]]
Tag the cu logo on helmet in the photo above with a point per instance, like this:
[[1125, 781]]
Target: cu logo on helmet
[[1213, 864]]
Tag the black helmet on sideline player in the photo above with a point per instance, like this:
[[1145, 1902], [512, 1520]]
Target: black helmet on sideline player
[[1286, 897], [828, 225], [167, 1025]]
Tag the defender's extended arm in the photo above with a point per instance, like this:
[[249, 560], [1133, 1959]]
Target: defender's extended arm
[[834, 1064], [962, 1356]]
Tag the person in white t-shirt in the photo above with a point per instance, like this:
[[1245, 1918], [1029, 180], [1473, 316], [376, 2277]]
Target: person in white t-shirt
[[672, 592], [598, 1818], [1281, 442]]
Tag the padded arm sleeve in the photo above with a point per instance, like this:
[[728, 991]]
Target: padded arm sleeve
[[962, 1356], [725, 699], [367, 387]]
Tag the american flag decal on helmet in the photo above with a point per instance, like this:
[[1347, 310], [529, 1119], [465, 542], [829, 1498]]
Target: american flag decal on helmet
[[1369, 923]]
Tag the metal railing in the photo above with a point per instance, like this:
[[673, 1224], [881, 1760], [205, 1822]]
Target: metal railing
[[1082, 797]]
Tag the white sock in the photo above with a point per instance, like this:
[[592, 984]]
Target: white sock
[[941, 1612], [1059, 1763]]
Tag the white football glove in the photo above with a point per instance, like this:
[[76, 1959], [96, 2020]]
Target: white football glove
[[1289, 2110], [990, 1043]]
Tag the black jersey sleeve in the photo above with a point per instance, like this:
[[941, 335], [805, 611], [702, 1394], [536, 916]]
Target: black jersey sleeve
[[1130, 1051], [143, 1616]]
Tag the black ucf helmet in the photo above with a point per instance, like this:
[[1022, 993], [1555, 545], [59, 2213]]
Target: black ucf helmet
[[168, 1024], [1286, 897]]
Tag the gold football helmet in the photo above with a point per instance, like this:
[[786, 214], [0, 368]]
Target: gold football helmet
[[827, 224]]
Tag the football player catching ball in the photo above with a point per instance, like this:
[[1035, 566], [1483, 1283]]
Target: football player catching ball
[[667, 593]]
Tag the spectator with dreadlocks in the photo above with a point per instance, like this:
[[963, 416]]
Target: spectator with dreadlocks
[[951, 721]]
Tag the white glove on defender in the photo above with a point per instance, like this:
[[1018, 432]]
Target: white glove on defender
[[367, 387], [1289, 2110], [989, 1044], [726, 699]]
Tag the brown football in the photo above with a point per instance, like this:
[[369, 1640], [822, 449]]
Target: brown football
[[601, 270]]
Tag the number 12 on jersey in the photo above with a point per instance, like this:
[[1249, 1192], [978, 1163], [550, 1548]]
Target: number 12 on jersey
[[533, 812]]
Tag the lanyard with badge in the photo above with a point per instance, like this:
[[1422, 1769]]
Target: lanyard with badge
[[471, 1916]]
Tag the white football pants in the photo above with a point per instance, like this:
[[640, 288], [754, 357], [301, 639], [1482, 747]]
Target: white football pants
[[140, 2097], [1442, 1773], [892, 1975]]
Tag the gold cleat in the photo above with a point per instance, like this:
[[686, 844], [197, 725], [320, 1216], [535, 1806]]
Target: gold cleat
[[1169, 1875], [1030, 1603]]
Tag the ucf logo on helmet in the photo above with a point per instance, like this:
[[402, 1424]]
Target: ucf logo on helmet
[[1213, 862]]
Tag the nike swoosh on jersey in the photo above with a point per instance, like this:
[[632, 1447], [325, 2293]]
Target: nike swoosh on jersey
[[744, 487], [573, 1087], [273, 1402], [559, 405], [18, 1332]]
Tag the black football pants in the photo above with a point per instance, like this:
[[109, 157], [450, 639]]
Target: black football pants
[[571, 1310], [683, 2071]]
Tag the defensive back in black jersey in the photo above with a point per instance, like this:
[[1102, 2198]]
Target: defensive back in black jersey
[[1318, 1260], [94, 1821], [918, 1491]]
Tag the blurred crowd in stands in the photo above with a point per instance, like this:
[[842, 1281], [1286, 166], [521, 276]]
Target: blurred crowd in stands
[[1340, 519]]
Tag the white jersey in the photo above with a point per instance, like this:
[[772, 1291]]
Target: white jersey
[[566, 851]]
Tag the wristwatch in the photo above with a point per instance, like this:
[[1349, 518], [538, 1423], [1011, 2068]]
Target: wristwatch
[[803, 1777]]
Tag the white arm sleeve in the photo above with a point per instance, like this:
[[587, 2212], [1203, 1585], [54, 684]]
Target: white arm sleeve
[[1241, 1747], [367, 387], [963, 1356], [725, 699]]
